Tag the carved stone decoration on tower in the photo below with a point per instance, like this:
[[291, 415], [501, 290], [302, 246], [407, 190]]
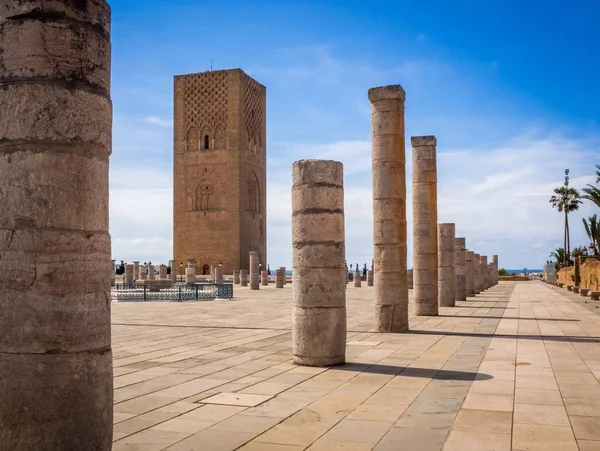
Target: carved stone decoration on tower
[[219, 169]]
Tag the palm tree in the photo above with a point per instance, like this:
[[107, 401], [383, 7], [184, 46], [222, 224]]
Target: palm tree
[[592, 229], [591, 192], [566, 200], [559, 255]]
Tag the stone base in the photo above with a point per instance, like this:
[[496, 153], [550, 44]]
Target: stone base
[[158, 283]]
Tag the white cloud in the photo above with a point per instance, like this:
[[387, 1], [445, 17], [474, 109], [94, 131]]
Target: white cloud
[[158, 121]]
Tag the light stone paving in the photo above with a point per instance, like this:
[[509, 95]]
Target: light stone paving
[[515, 368]]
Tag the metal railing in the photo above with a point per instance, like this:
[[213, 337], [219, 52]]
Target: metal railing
[[201, 291]]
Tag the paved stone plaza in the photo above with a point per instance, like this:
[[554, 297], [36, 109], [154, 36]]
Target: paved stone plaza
[[515, 368]]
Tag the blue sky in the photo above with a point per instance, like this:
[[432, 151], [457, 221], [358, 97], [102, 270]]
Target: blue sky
[[509, 89]]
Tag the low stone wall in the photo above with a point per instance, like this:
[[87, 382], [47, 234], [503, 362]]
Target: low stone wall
[[566, 276], [589, 274], [514, 278]]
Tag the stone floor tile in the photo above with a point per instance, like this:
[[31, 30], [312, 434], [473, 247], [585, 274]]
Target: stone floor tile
[[533, 437], [212, 412], [247, 423], [586, 428], [540, 414], [237, 399], [148, 441], [259, 446], [588, 445], [493, 386], [583, 407], [213, 440], [376, 412], [359, 431], [538, 383], [491, 421], [477, 441], [182, 426], [413, 439], [535, 396], [329, 445], [489, 401]]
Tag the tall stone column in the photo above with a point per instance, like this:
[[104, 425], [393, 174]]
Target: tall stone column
[[264, 278], [425, 246], [151, 272], [460, 270], [174, 267], [190, 273], [495, 260], [218, 276], [318, 240], [410, 279], [254, 271], [357, 278], [279, 278], [389, 208], [112, 272], [162, 272], [446, 273], [236, 277], [128, 275], [484, 272], [144, 272], [136, 270], [284, 274], [55, 143], [244, 277], [470, 273], [370, 278], [477, 273]]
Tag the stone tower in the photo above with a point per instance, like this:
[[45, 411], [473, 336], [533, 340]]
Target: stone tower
[[219, 183]]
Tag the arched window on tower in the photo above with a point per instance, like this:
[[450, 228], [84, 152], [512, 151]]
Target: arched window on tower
[[206, 142]]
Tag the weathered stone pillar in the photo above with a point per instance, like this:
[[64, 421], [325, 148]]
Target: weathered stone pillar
[[174, 264], [244, 277], [143, 272], [495, 260], [477, 273], [55, 141], [236, 277], [136, 270], [254, 271], [128, 280], [484, 272], [112, 272], [218, 276], [490, 275], [425, 246], [446, 273], [370, 278], [279, 278], [284, 274], [318, 240], [357, 278], [389, 208], [162, 272], [151, 272], [409, 273], [190, 273], [264, 278], [460, 270], [470, 273]]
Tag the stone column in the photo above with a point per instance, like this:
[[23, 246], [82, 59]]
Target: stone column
[[218, 276], [56, 381], [136, 270], [128, 275], [477, 273], [389, 208], [190, 273], [446, 273], [112, 272], [279, 278], [162, 272], [495, 260], [425, 246], [460, 270], [484, 272], [264, 278], [470, 273], [490, 275], [151, 272], [236, 277], [244, 277], [318, 240], [144, 272], [254, 271], [410, 279], [284, 274], [174, 268], [370, 278], [357, 278]]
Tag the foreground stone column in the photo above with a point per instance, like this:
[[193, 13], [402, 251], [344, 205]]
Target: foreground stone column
[[236, 277], [162, 272], [190, 273], [495, 260], [370, 278], [174, 264], [477, 273], [244, 277], [55, 252], [389, 208], [113, 274], [409, 273], [357, 278], [254, 271], [264, 278], [318, 240], [279, 278], [425, 246], [484, 272], [128, 275], [460, 270], [218, 276], [470, 273], [446, 273]]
